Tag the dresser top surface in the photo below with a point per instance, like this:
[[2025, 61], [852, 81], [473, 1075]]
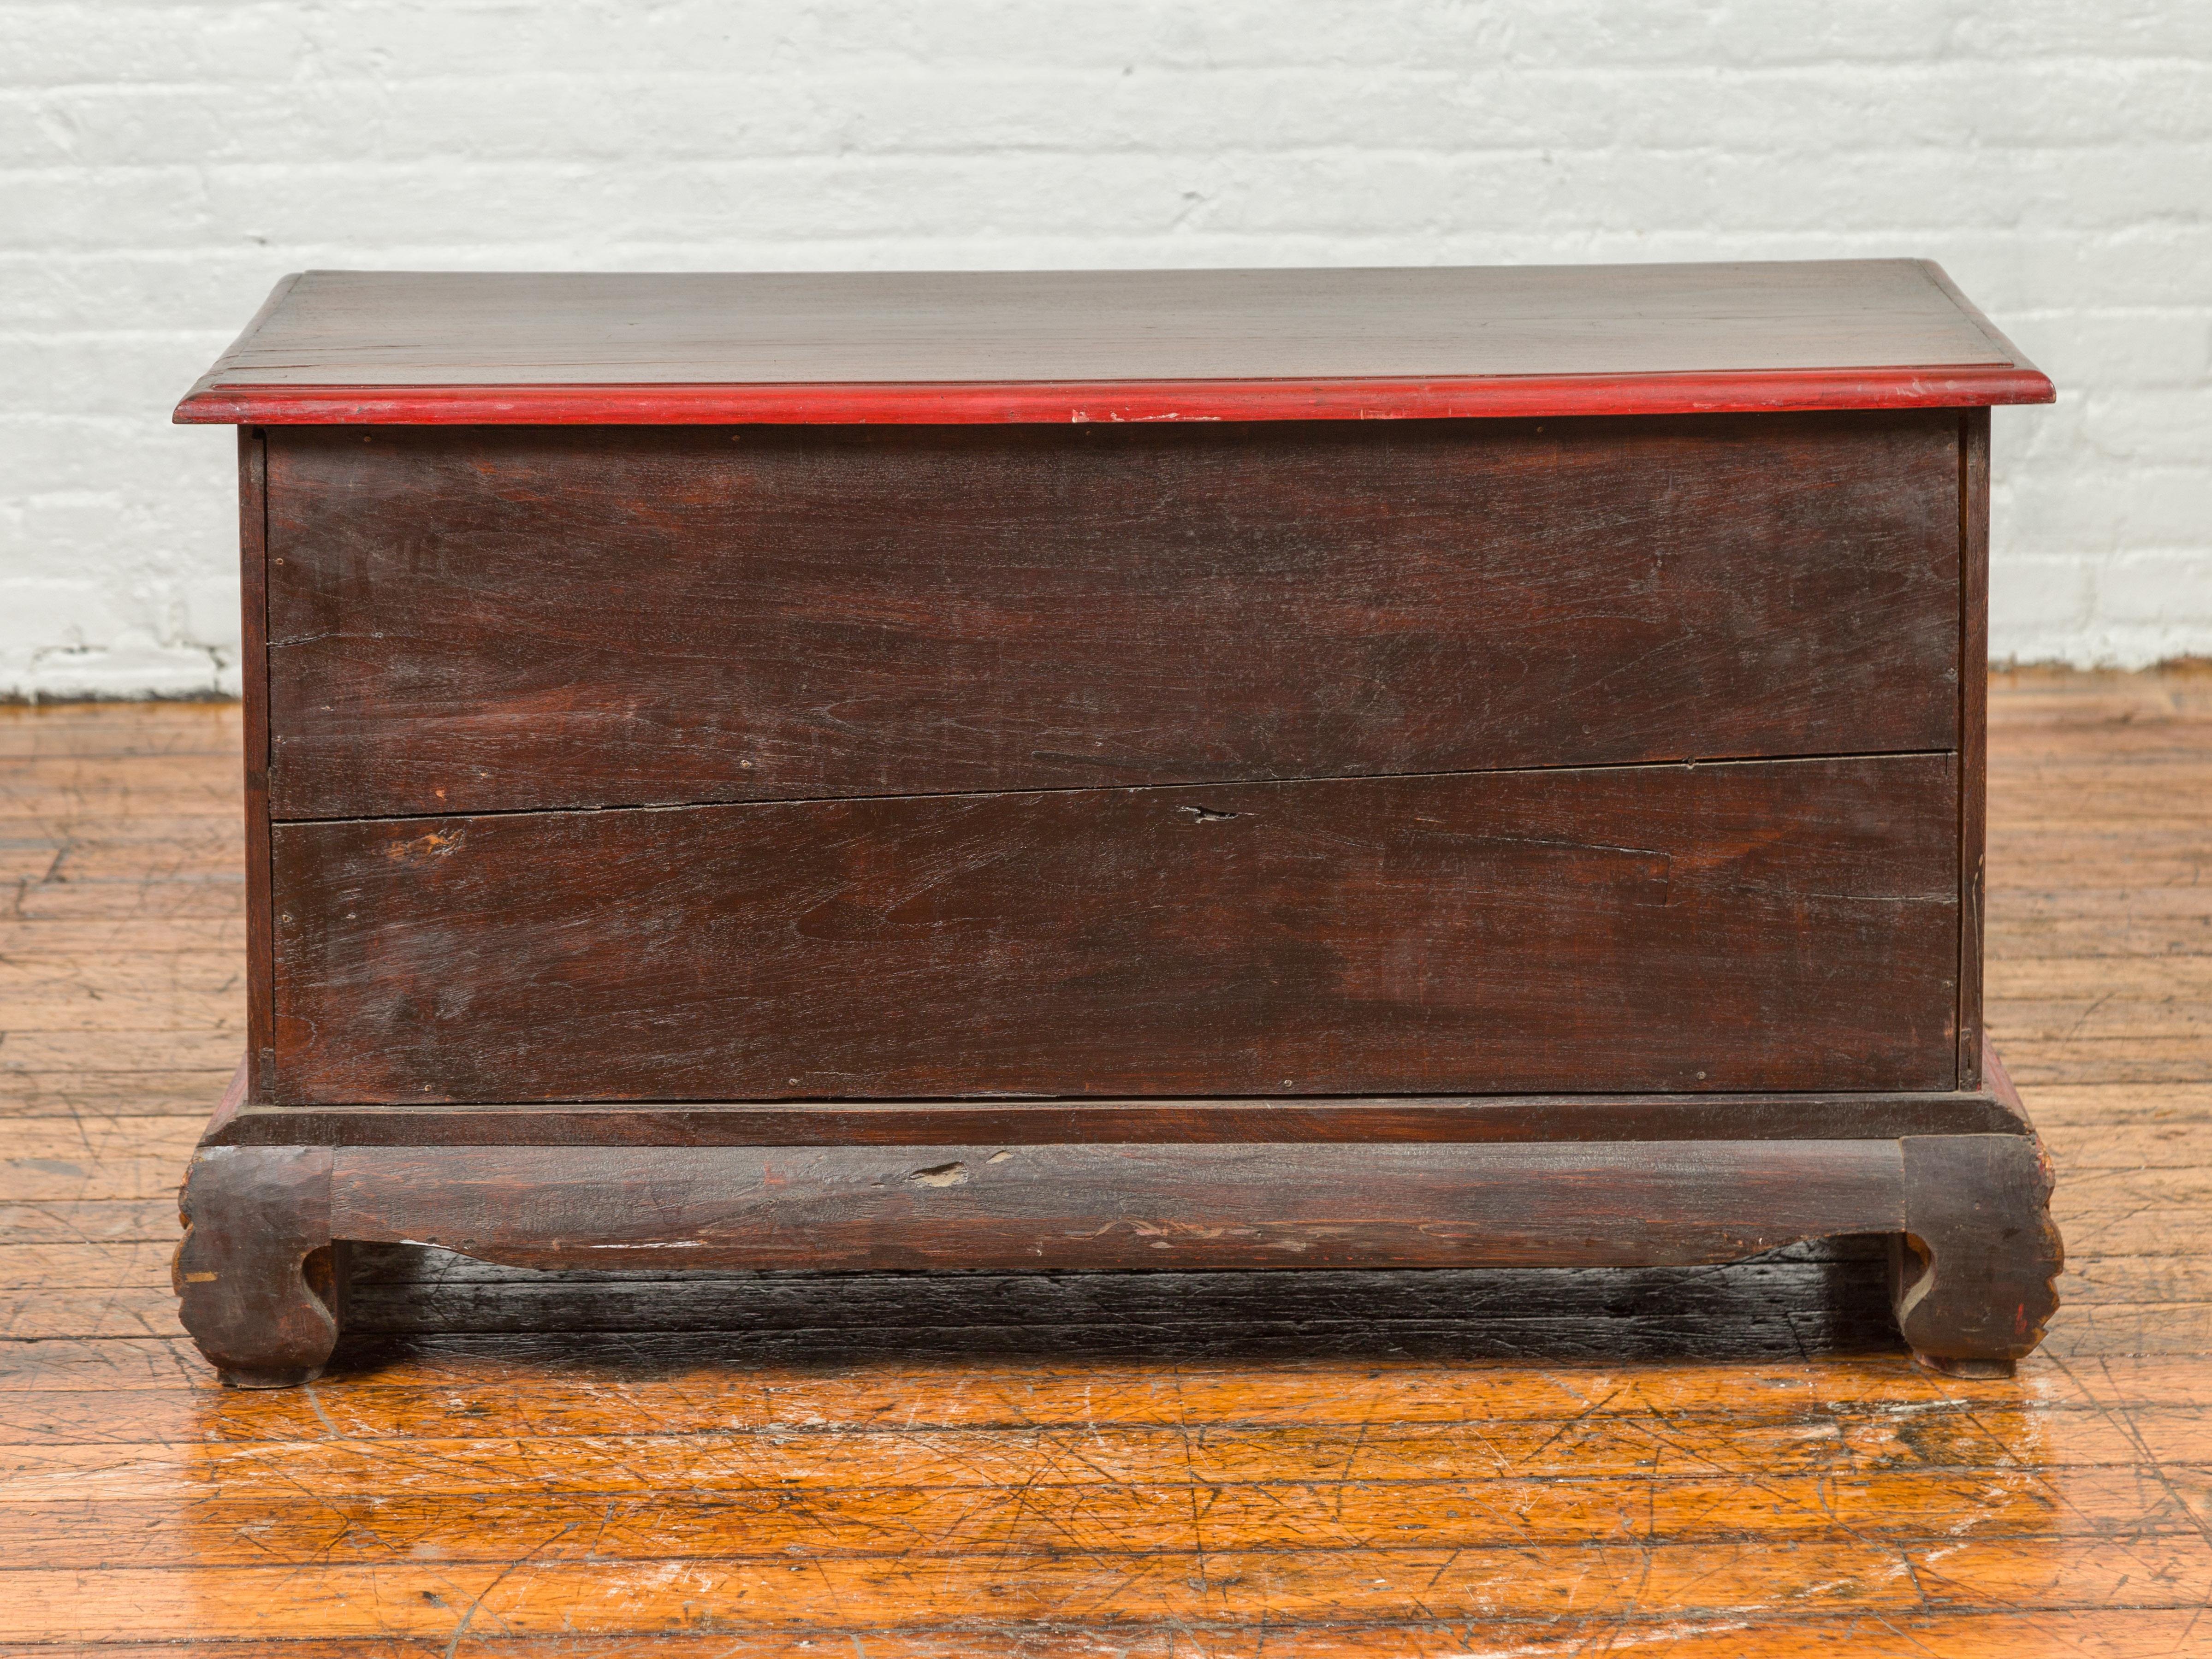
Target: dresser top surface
[[410, 348]]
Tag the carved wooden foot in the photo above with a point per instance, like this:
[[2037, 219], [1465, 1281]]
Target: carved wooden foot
[[1972, 1274], [256, 1271]]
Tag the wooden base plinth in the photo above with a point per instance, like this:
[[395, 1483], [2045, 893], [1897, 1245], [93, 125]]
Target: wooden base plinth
[[1974, 1259]]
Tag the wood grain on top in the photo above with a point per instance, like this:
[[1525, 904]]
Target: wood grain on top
[[400, 346]]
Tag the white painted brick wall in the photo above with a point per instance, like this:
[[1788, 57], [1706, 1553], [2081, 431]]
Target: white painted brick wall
[[163, 161]]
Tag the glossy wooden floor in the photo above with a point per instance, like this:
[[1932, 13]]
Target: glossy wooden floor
[[1733, 1461]]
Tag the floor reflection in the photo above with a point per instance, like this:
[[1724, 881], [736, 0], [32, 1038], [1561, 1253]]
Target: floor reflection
[[1081, 1451]]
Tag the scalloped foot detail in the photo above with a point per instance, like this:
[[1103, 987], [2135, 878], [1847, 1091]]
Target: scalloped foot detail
[[255, 1275], [1973, 1278]]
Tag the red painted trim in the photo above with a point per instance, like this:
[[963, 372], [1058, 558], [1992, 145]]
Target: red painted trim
[[978, 403]]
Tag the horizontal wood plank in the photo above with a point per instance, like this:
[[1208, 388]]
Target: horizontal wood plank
[[1102, 1520], [760, 615], [1935, 1633], [1509, 932], [529, 1598], [506, 1401], [1062, 1461], [1602, 1203]]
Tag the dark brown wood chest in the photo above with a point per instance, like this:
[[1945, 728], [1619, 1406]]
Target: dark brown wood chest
[[1391, 767]]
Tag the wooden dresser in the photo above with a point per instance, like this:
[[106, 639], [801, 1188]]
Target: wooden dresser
[[1138, 769]]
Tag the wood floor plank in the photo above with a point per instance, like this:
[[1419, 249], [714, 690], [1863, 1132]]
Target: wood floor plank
[[97, 785], [89, 847], [2109, 1633], [2035, 1061], [215, 941], [2086, 1329], [78, 1179], [89, 1311], [77, 1220], [1064, 1457], [182, 975], [531, 1404], [115, 732], [31, 1268], [91, 1012], [85, 1095], [431, 1392], [2116, 938], [2176, 1281], [2114, 1633], [2114, 865], [2098, 816], [2168, 1141], [39, 858], [2132, 1211], [202, 1526], [69, 1053], [2026, 1022], [214, 895], [159, 1365], [104, 1137], [2149, 980], [556, 1599], [2123, 1103]]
